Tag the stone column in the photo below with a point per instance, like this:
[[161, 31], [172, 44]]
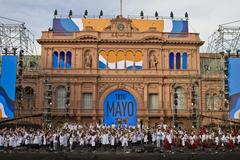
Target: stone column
[[160, 101], [79, 98], [145, 107], [48, 62], [95, 59], [80, 58], [65, 60], [145, 59], [94, 101], [74, 59]]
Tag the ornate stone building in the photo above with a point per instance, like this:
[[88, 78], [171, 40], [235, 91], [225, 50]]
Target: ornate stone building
[[164, 71]]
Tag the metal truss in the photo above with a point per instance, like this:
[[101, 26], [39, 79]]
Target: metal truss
[[14, 34], [227, 37]]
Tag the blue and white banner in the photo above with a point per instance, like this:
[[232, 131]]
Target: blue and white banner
[[120, 108]]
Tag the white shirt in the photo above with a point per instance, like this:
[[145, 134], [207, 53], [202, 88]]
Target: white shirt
[[238, 139], [112, 140]]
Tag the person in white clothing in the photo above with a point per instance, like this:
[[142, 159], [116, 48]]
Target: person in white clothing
[[71, 140], [1, 142], [158, 138]]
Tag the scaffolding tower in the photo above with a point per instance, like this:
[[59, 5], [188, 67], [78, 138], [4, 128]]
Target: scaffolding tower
[[14, 34], [227, 37]]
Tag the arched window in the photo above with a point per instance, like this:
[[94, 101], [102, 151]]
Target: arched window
[[178, 61], [129, 60], [208, 102], [69, 60], [180, 98], [29, 98], [102, 59], [120, 60], [111, 60], [184, 61], [138, 60], [61, 94], [215, 102], [62, 59], [55, 60], [171, 60]]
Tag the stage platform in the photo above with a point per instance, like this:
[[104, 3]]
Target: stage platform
[[119, 156]]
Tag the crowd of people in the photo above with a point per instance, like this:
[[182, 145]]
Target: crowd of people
[[97, 137]]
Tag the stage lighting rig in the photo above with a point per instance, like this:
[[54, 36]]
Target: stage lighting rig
[[68, 95], [175, 104], [226, 99], [48, 101]]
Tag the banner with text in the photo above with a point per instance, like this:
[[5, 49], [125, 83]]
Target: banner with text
[[120, 108]]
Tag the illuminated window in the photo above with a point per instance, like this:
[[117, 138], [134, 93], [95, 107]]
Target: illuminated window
[[138, 60], [69, 60], [178, 61], [129, 60], [171, 60], [184, 61], [102, 59], [55, 60], [120, 60], [62, 59], [111, 60]]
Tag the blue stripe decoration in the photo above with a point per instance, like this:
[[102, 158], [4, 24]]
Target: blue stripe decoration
[[8, 86], [179, 26], [234, 87], [101, 65], [138, 67]]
